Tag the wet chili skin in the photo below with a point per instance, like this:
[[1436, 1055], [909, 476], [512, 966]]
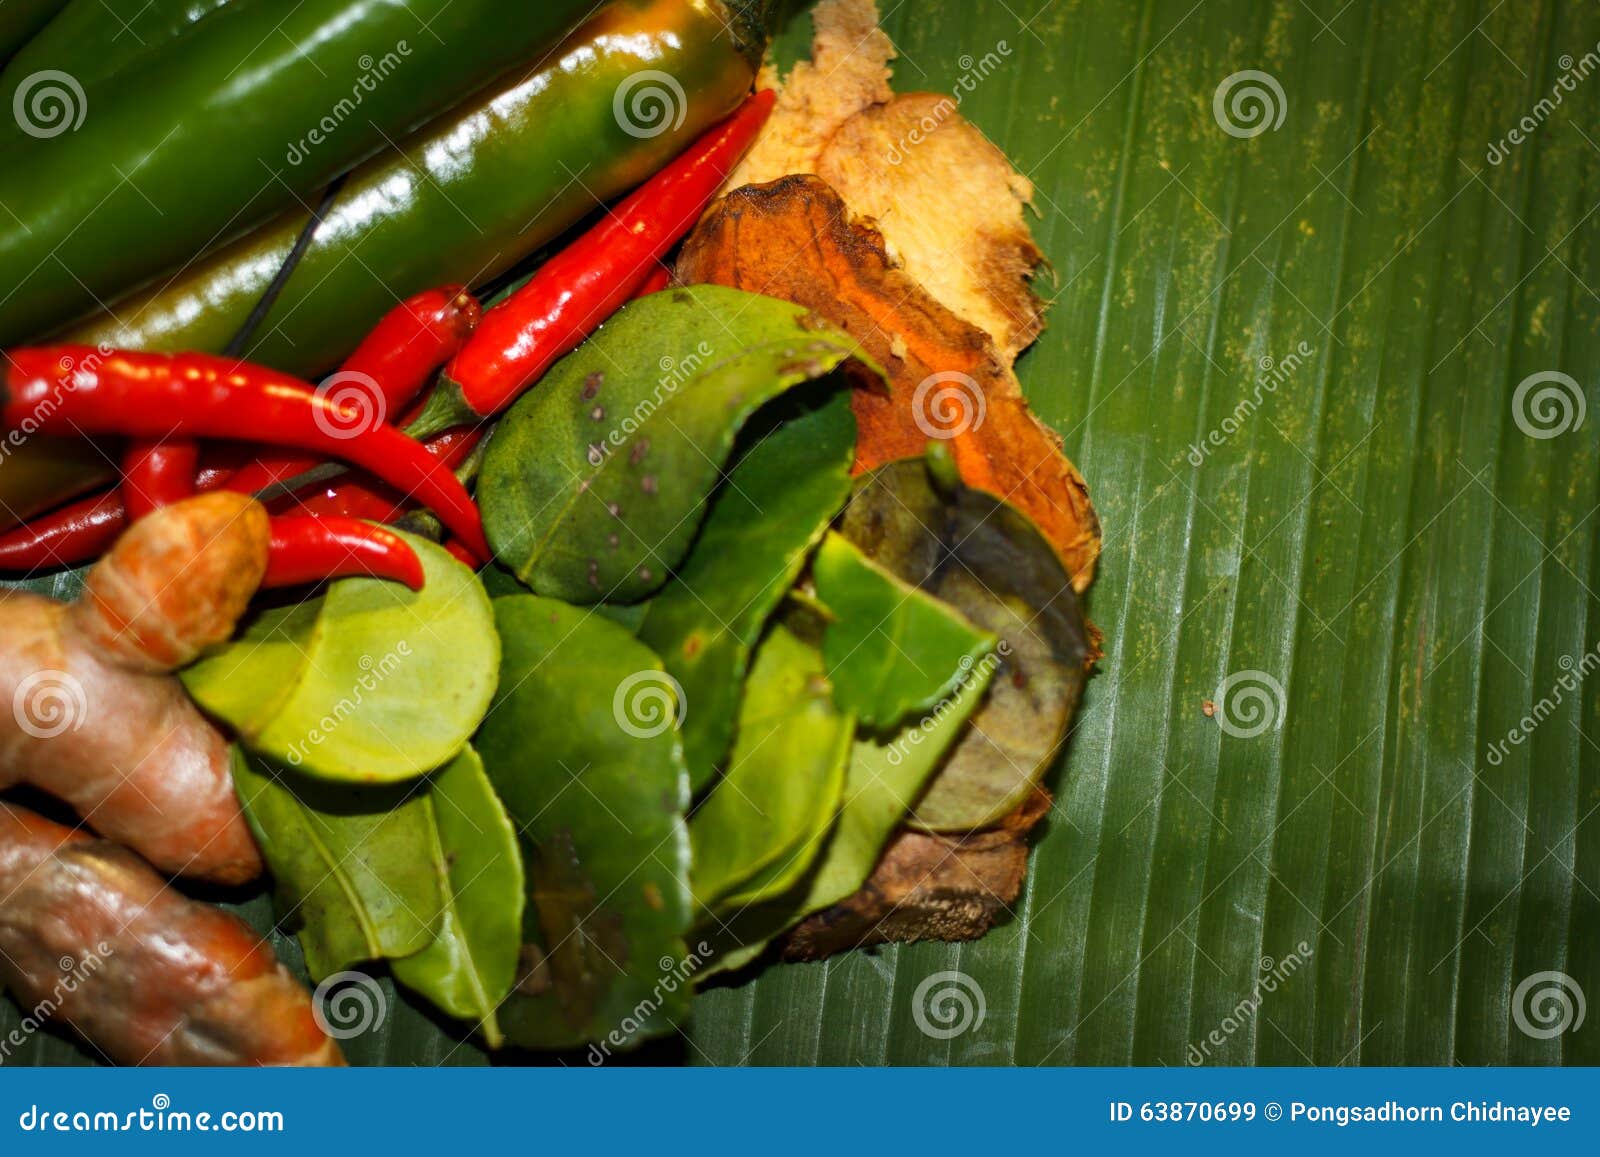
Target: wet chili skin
[[463, 199]]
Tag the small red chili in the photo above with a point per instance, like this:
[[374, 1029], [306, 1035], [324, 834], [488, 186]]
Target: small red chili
[[658, 279], [157, 474], [356, 495], [385, 373], [310, 550], [582, 286], [78, 391]]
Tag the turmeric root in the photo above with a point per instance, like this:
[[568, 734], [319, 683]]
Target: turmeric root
[[96, 719], [795, 239], [146, 975]]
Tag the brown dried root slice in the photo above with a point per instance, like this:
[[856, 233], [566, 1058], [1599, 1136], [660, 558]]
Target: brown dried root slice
[[949, 206], [146, 975], [793, 239], [848, 71], [948, 203], [97, 722], [928, 887]]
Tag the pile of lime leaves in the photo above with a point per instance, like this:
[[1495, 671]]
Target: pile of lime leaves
[[707, 678]]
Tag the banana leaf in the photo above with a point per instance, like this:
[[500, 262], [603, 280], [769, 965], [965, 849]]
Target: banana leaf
[[1377, 533], [1378, 561]]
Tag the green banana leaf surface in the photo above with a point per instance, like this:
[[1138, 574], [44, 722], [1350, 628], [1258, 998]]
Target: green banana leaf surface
[[1325, 342]]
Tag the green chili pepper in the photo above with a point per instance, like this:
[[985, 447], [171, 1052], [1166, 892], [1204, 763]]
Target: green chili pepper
[[253, 109], [92, 39], [470, 195], [20, 21]]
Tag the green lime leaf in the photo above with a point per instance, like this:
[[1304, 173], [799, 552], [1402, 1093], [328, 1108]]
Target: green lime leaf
[[891, 649], [594, 484], [764, 820], [984, 558], [355, 869], [763, 523], [470, 965], [332, 686], [581, 745], [885, 775]]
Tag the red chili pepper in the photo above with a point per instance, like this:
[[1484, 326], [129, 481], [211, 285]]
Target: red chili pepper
[[269, 470], [77, 390], [157, 474], [580, 287], [309, 550], [354, 495], [411, 341], [460, 553], [73, 534], [385, 373], [81, 530], [84, 530], [659, 278]]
